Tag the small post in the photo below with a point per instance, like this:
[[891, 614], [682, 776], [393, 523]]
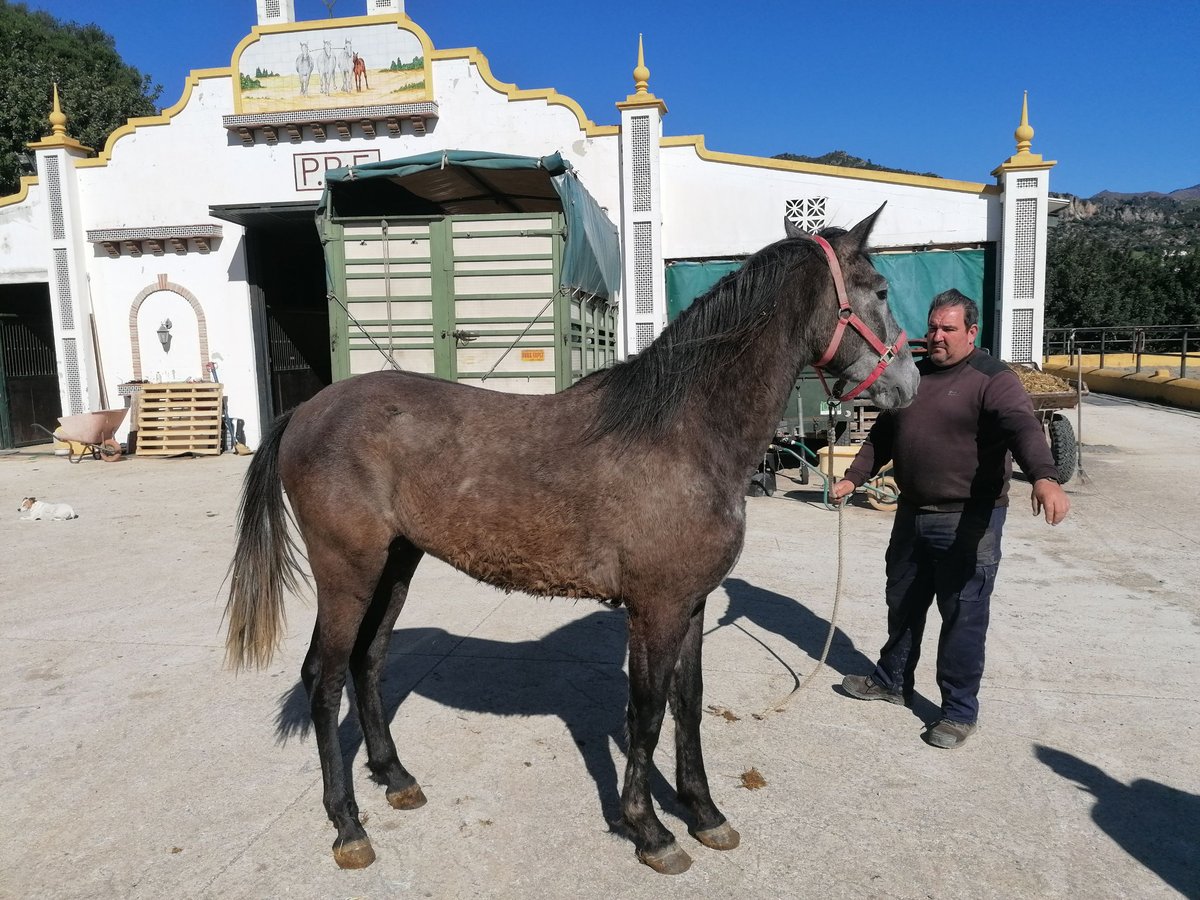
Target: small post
[[1183, 353]]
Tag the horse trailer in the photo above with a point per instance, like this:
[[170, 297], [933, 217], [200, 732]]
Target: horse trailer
[[492, 270]]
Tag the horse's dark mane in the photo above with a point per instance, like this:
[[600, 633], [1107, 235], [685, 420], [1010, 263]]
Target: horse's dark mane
[[642, 395]]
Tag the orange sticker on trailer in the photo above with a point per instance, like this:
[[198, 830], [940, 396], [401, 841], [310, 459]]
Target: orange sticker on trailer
[[533, 356]]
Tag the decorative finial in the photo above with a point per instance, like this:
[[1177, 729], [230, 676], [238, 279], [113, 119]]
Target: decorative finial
[[58, 119], [1024, 133], [58, 137], [641, 75]]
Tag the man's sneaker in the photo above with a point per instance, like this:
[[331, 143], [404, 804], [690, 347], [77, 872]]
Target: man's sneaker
[[950, 735], [864, 688]]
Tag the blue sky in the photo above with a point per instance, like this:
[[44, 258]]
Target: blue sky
[[1114, 87]]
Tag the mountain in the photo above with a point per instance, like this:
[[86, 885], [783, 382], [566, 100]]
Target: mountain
[[1192, 193], [1150, 221], [846, 161]]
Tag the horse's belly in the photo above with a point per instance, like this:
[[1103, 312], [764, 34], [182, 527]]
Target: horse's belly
[[548, 572]]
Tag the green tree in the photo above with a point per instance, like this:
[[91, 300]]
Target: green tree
[[98, 91]]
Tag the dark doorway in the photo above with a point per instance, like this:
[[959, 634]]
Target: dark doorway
[[287, 264], [286, 270], [28, 369]]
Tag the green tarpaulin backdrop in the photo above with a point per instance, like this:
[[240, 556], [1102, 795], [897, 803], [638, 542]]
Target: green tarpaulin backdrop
[[913, 280]]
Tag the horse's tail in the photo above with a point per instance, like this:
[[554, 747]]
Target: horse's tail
[[264, 563]]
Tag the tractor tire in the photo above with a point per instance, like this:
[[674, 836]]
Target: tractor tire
[[1063, 447]]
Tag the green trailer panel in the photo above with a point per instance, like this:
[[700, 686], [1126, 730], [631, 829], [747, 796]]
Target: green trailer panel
[[471, 298]]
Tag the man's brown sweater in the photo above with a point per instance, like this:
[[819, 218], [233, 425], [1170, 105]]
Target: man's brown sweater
[[951, 445]]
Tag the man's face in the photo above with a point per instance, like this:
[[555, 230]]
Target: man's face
[[949, 339]]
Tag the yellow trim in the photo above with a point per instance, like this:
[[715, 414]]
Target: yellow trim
[[514, 94], [27, 181], [402, 21], [1031, 161], [642, 101], [163, 118], [946, 184]]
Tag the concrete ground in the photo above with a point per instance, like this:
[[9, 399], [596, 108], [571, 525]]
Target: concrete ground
[[135, 766]]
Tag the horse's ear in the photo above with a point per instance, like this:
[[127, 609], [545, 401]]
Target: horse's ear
[[860, 232], [792, 230]]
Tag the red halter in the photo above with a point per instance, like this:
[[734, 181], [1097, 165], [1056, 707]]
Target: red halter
[[847, 316]]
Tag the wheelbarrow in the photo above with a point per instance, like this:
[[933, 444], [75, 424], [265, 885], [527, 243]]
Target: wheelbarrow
[[93, 430]]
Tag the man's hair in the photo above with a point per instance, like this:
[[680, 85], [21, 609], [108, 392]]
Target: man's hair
[[954, 298]]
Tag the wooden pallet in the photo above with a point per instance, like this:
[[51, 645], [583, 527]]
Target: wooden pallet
[[179, 418], [862, 417]]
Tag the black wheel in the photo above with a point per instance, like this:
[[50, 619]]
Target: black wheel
[[1063, 447]]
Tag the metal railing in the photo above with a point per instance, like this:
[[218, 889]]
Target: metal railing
[[1179, 343]]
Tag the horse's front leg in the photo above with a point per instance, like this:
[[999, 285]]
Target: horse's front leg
[[654, 642], [691, 782]]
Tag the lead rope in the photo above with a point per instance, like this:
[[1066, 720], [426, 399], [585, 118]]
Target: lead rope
[[782, 703]]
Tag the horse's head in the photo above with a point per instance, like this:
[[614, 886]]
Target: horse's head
[[841, 346]]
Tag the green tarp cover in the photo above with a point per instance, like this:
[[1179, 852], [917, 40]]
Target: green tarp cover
[[916, 278], [473, 182], [913, 280]]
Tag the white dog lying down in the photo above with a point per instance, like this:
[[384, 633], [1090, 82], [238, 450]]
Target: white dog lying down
[[39, 509]]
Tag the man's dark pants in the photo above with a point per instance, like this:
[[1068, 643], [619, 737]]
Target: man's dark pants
[[952, 556]]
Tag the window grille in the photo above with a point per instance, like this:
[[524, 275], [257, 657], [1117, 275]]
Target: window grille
[[643, 264], [645, 336], [58, 229], [1022, 335], [71, 367], [62, 285], [639, 127], [1025, 249], [807, 213]]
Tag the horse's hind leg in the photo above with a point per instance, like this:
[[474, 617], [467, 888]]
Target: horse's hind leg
[[345, 587], [366, 666], [654, 643], [691, 781]]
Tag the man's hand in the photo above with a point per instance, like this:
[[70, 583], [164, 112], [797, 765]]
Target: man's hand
[[842, 488], [1048, 495]]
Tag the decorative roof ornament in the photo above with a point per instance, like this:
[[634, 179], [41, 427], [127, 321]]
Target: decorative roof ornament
[[1024, 158], [58, 119], [641, 75], [641, 95], [58, 136], [1024, 132]]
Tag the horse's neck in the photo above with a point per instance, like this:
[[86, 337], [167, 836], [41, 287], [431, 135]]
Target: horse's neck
[[742, 405]]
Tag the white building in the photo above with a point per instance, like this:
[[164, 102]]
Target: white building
[[203, 216]]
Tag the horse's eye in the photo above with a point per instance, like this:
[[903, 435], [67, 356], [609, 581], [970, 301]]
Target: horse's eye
[[882, 295]]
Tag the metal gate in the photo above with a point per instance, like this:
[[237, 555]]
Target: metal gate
[[28, 375]]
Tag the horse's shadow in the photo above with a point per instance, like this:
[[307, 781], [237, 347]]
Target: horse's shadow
[[575, 673], [795, 622], [1152, 822]]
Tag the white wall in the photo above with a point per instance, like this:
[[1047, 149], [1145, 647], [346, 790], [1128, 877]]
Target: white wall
[[715, 208]]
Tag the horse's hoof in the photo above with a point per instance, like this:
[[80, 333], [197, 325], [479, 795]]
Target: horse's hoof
[[411, 797], [671, 860], [723, 837], [354, 855]]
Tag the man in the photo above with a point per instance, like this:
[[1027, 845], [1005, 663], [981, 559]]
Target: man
[[951, 452]]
